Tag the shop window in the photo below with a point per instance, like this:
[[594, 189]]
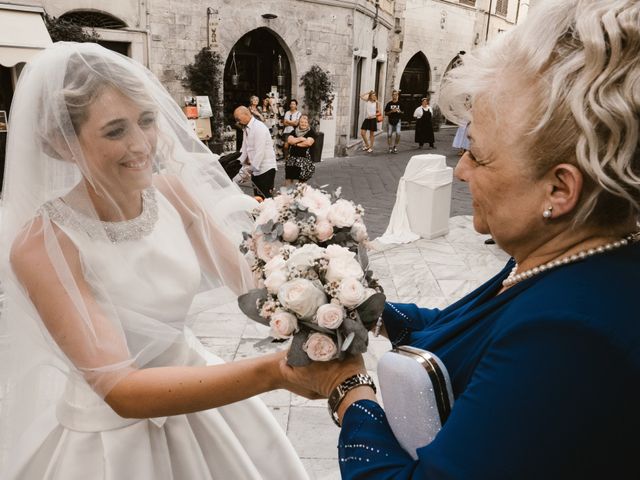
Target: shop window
[[471, 3], [501, 7]]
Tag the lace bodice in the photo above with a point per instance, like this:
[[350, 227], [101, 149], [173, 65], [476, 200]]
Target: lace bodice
[[133, 229], [147, 266]]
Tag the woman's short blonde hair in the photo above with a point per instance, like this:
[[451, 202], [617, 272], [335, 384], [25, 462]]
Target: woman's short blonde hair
[[577, 64]]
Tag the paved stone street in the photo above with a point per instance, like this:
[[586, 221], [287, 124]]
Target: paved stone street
[[431, 273], [372, 179]]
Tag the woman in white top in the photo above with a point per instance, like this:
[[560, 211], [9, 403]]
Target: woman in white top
[[370, 123], [291, 120], [120, 230]]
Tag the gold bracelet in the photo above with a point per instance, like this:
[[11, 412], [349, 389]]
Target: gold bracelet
[[338, 394]]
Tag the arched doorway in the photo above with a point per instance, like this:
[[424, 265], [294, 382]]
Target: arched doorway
[[414, 85], [262, 68]]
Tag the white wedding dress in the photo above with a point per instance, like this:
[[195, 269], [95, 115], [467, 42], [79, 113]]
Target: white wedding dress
[[82, 438]]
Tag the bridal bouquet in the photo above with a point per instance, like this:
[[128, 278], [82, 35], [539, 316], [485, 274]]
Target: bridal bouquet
[[307, 251]]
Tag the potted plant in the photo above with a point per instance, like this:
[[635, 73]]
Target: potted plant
[[317, 89], [204, 77]]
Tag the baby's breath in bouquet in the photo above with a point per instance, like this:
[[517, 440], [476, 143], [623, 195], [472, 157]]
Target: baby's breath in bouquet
[[308, 253]]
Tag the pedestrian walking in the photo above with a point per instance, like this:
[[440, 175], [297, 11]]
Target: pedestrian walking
[[393, 113], [424, 125]]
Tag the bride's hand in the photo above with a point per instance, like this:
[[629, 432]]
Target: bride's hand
[[320, 378]]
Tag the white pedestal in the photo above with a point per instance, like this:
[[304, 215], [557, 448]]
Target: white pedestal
[[429, 195], [428, 209]]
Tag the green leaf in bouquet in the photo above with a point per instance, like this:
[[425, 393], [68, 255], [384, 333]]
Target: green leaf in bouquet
[[267, 227], [297, 357], [360, 335], [248, 303], [363, 258], [341, 237], [314, 326], [370, 310], [347, 342], [303, 215]]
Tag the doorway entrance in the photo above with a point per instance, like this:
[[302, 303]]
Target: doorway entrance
[[261, 67], [414, 85]]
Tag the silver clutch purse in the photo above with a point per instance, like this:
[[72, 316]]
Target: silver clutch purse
[[416, 393]]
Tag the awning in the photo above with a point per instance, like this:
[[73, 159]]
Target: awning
[[22, 35]]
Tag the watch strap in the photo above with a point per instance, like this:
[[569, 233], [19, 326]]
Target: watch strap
[[338, 393]]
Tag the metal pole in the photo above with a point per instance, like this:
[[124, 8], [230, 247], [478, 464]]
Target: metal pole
[[486, 36]]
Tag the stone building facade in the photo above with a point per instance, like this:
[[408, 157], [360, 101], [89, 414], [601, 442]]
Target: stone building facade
[[268, 46]]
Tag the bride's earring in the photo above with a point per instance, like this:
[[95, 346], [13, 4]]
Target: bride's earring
[[547, 213]]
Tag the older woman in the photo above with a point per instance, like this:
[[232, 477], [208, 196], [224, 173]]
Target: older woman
[[544, 358]]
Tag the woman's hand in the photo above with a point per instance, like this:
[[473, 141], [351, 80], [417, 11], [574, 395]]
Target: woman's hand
[[320, 378]]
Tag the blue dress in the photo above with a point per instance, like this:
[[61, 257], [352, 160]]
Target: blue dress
[[545, 376]]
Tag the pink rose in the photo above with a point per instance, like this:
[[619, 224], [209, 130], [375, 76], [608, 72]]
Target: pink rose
[[351, 293], [323, 230], [330, 316], [320, 348], [316, 202], [283, 324], [266, 249], [290, 232]]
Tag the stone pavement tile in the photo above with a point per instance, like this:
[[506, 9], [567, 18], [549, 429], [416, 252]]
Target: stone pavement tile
[[312, 433], [281, 415], [222, 347], [322, 468]]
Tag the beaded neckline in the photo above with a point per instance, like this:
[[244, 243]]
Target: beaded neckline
[[514, 277], [127, 230]]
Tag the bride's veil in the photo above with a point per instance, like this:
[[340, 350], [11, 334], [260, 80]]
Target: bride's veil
[[66, 173]]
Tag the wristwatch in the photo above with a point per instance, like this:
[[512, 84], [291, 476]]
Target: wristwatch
[[338, 394]]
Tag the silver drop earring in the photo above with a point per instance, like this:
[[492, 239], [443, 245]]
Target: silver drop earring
[[547, 213]]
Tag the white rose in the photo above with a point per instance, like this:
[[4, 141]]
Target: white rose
[[283, 324], [290, 232], [268, 211], [336, 251], [302, 297], [276, 263], [316, 202], [323, 230], [359, 232], [320, 348], [351, 293], [342, 213], [266, 249], [274, 281], [305, 256], [343, 267], [330, 316], [283, 200]]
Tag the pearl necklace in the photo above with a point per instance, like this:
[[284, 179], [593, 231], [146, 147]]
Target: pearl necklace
[[514, 277]]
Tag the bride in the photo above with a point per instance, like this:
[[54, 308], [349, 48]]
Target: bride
[[115, 217]]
